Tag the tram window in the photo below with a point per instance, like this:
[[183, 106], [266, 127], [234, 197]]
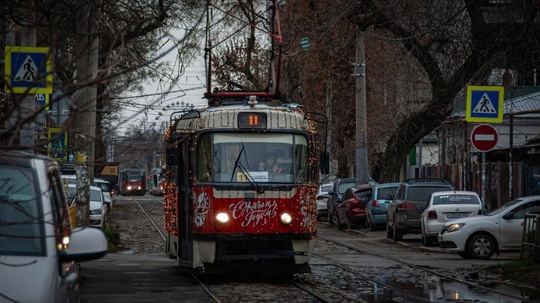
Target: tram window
[[204, 159], [233, 157]]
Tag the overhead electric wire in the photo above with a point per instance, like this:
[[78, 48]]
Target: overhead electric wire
[[159, 57]]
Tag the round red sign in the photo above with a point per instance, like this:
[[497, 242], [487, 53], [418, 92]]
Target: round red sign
[[484, 137]]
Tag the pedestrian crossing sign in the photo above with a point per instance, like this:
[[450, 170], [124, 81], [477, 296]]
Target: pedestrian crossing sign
[[28, 70], [485, 104]]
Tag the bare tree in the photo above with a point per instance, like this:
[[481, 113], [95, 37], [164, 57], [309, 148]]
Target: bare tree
[[129, 35], [420, 57]]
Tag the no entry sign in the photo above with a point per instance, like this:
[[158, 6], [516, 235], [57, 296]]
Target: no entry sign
[[484, 137]]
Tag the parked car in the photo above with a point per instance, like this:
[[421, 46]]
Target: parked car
[[352, 209], [98, 208], [403, 213], [381, 196], [107, 192], [38, 248], [501, 230], [101, 183], [339, 187], [322, 206], [445, 206], [324, 189], [322, 200]]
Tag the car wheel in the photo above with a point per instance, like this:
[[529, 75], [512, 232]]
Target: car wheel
[[389, 231], [329, 216], [398, 235], [463, 254], [480, 246], [335, 219]]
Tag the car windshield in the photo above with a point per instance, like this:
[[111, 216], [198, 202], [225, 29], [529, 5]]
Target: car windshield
[[363, 194], [422, 193], [456, 199], [103, 185], [95, 195], [21, 230], [386, 192], [344, 186], [504, 207]]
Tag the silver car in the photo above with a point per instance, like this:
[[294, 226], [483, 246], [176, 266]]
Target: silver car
[[444, 206]]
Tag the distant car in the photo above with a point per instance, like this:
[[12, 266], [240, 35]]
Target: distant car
[[479, 237], [322, 200], [322, 206], [403, 213], [381, 196], [157, 190], [98, 208], [107, 190], [324, 189], [339, 187], [352, 209], [39, 250], [445, 206], [101, 183]]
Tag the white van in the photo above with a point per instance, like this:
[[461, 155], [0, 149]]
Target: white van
[[36, 234]]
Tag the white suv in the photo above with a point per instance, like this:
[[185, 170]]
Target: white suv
[[36, 235]]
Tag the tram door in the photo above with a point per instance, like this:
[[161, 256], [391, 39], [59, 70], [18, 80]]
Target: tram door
[[184, 204]]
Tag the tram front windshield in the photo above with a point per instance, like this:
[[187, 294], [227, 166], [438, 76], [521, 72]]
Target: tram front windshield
[[259, 158]]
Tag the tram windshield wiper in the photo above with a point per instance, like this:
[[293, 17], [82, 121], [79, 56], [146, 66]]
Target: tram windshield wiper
[[241, 168]]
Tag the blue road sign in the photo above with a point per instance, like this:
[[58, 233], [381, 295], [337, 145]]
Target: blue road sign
[[485, 104], [28, 70]]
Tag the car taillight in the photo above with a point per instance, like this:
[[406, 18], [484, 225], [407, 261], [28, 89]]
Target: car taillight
[[406, 205], [375, 203], [432, 215]]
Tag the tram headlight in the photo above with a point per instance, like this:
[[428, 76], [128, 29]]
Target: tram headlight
[[286, 218], [222, 217]]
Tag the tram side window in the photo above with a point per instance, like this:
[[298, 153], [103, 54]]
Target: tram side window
[[204, 159], [301, 155]]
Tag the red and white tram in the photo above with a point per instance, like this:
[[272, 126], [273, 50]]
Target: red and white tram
[[222, 206]]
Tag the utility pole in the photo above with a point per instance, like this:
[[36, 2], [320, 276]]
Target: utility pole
[[85, 101], [362, 163]]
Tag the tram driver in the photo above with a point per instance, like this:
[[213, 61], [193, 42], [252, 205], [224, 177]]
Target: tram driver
[[269, 164]]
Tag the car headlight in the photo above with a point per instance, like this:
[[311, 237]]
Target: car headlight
[[455, 227], [96, 211], [286, 218], [222, 218], [129, 187]]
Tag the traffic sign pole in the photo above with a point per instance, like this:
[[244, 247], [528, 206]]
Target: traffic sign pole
[[484, 138]]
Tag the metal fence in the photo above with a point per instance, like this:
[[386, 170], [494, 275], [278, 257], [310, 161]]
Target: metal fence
[[530, 244]]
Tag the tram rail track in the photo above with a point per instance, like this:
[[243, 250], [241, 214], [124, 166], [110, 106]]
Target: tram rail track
[[231, 291], [208, 289]]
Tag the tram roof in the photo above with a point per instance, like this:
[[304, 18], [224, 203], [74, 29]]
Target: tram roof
[[224, 115]]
